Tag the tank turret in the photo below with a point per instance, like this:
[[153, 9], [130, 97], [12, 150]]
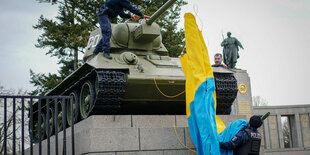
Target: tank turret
[[144, 35]]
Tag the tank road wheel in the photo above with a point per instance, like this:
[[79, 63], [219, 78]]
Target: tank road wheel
[[50, 123], [87, 99], [36, 129], [76, 104]]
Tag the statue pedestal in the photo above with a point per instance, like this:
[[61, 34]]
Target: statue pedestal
[[129, 135], [243, 102]]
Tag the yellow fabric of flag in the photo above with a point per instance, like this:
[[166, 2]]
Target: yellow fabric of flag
[[196, 64]]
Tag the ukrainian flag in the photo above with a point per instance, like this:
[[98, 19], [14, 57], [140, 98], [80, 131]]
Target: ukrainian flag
[[203, 124]]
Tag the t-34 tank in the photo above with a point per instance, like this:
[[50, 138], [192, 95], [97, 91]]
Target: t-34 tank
[[140, 79]]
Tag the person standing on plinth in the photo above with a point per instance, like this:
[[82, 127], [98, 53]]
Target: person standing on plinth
[[111, 9], [218, 58], [230, 51]]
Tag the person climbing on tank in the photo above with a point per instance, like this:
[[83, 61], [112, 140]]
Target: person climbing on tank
[[111, 9], [246, 141]]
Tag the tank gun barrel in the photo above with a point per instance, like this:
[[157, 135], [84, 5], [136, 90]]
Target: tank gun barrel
[[160, 11]]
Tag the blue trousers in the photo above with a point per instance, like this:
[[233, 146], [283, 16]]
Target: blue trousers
[[104, 42]]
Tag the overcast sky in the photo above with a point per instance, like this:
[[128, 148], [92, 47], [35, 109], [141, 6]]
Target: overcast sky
[[275, 35]]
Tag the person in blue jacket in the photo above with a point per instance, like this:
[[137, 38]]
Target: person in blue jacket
[[111, 9], [247, 141]]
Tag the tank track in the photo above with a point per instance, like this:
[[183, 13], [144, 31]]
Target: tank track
[[111, 88], [226, 92]]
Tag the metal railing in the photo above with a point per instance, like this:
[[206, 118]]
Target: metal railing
[[45, 117]]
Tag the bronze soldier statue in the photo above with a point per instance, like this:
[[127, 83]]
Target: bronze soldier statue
[[230, 51]]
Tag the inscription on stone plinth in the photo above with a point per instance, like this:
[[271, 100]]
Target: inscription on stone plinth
[[245, 109]]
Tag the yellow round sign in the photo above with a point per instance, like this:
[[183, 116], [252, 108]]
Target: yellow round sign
[[242, 88]]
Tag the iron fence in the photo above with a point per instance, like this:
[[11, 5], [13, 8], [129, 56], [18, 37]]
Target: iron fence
[[45, 117]]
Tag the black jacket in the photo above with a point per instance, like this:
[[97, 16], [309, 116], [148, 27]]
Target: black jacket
[[116, 7], [246, 142]]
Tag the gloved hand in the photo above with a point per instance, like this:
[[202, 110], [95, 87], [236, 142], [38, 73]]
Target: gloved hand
[[146, 17], [135, 17]]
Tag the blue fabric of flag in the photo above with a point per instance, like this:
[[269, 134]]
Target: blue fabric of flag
[[230, 131], [202, 124]]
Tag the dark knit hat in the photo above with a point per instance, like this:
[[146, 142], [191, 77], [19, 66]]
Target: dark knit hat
[[256, 121]]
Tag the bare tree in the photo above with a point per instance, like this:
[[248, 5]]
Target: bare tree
[[10, 118], [259, 101], [286, 131]]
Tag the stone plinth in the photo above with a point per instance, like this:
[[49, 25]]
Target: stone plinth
[[130, 135]]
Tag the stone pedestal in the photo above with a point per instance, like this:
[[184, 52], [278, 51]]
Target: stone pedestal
[[131, 135], [243, 102]]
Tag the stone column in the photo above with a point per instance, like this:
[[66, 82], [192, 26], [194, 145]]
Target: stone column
[[267, 135], [298, 128], [273, 132], [293, 125], [305, 130], [243, 103]]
